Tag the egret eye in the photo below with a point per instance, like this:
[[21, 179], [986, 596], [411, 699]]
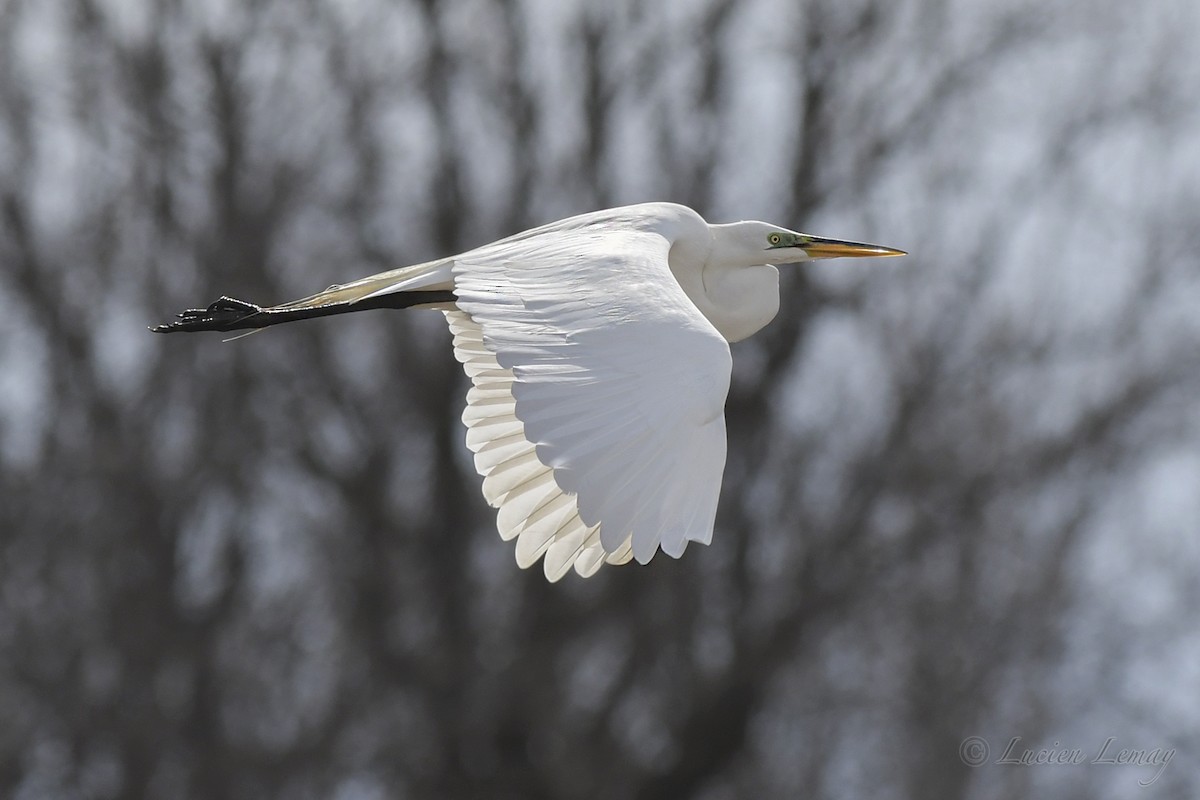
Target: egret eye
[[774, 238]]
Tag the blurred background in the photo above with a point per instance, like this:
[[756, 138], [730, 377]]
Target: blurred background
[[963, 490]]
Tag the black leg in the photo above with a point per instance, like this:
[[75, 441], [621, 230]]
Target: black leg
[[227, 314]]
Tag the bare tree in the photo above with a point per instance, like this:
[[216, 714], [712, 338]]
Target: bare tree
[[262, 569]]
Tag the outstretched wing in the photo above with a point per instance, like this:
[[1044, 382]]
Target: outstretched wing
[[597, 411]]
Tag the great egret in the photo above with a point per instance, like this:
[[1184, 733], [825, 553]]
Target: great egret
[[598, 350]]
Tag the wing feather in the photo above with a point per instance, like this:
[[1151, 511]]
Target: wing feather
[[589, 562], [596, 408], [555, 519], [520, 505], [511, 474], [567, 547]]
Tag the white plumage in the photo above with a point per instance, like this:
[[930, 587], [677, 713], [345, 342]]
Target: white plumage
[[597, 348], [591, 442]]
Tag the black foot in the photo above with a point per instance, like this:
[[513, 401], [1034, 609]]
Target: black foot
[[223, 315]]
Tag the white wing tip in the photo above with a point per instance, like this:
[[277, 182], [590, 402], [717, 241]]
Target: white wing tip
[[561, 554]]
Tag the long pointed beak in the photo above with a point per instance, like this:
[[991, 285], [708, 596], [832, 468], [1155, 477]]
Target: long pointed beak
[[836, 248]]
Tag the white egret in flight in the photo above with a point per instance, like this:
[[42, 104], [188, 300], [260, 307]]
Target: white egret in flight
[[598, 350]]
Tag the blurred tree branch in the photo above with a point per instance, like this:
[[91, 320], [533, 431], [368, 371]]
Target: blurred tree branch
[[263, 569]]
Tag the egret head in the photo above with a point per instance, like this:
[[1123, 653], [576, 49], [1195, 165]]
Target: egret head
[[752, 243]]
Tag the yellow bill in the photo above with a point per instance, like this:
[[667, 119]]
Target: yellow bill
[[817, 247]]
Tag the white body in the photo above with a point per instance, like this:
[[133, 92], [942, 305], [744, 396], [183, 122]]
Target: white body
[[598, 351]]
